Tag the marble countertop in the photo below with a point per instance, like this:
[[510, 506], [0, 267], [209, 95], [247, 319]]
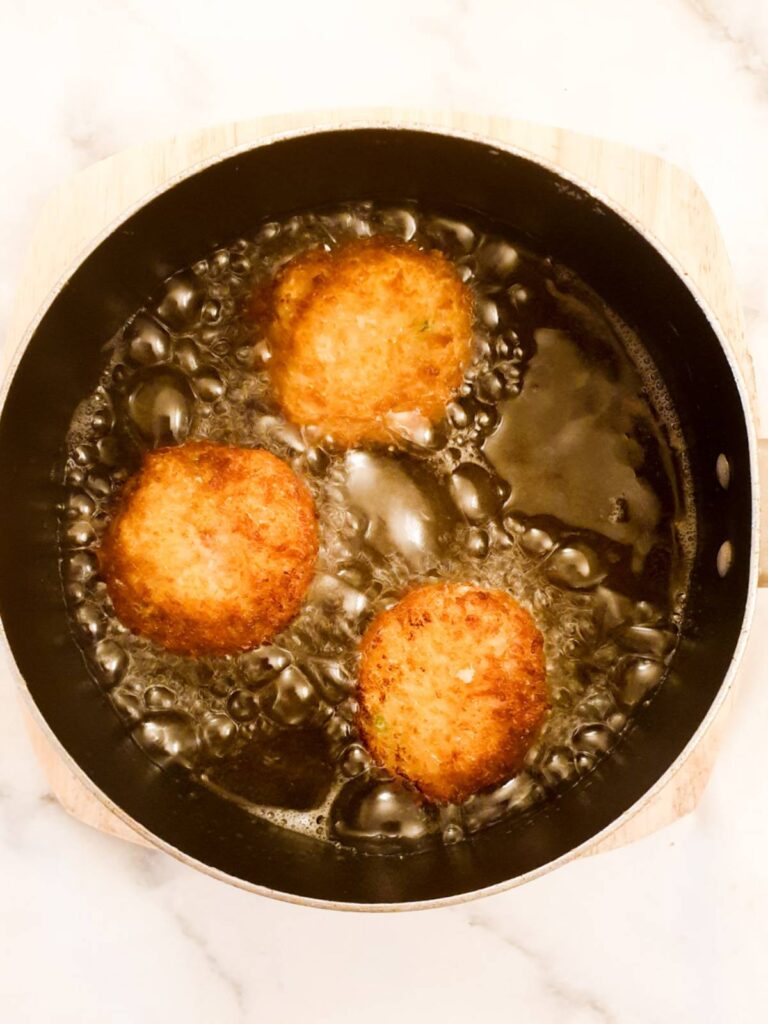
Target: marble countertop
[[671, 928]]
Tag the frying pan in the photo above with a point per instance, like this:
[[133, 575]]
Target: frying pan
[[60, 362]]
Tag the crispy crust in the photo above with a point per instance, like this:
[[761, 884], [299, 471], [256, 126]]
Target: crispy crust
[[452, 688], [371, 328], [211, 548]]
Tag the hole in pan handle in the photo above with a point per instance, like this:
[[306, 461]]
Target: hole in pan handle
[[762, 457]]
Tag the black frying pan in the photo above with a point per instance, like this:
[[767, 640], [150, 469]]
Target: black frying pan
[[61, 363]]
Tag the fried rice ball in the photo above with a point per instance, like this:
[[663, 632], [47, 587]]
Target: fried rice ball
[[371, 334], [211, 548], [452, 688]]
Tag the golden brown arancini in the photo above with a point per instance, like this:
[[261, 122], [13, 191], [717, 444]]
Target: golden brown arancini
[[452, 688], [211, 548], [367, 331]]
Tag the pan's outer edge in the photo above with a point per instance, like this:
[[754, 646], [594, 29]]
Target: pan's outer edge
[[510, 137]]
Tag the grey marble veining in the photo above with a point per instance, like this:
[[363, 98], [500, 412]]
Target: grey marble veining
[[672, 928]]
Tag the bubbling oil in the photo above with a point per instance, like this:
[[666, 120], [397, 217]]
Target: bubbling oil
[[557, 473]]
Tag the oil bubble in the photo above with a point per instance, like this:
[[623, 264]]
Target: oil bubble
[[84, 454], [536, 541], [339, 596], [82, 566], [651, 640], [218, 734], [488, 313], [127, 704], [290, 698], [242, 706], [616, 721], [399, 222], [355, 761], [477, 543], [339, 731], [400, 516], [182, 302], [349, 709], [160, 407], [112, 661], [90, 620], [558, 766], [286, 434], [519, 793], [486, 419], [475, 493], [268, 231], [357, 574], [378, 811], [102, 421], [80, 533], [98, 484], [188, 355], [593, 738], [209, 385], [575, 566], [637, 678], [512, 526], [159, 698], [263, 663], [412, 426], [518, 295], [168, 737], [458, 414], [75, 592], [75, 475], [497, 258], [509, 372], [147, 341], [80, 504], [490, 387], [452, 833], [331, 678], [317, 460], [219, 262], [452, 234], [110, 451], [645, 613]]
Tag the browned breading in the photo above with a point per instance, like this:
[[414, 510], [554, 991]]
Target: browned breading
[[452, 688], [371, 329], [211, 548]]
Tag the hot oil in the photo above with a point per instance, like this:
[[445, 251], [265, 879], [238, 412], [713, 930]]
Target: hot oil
[[558, 473]]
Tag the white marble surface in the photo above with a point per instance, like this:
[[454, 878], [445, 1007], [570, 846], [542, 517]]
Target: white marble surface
[[673, 928]]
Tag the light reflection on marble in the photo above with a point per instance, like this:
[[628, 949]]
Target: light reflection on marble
[[673, 928]]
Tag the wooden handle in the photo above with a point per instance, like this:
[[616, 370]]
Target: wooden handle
[[662, 200]]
